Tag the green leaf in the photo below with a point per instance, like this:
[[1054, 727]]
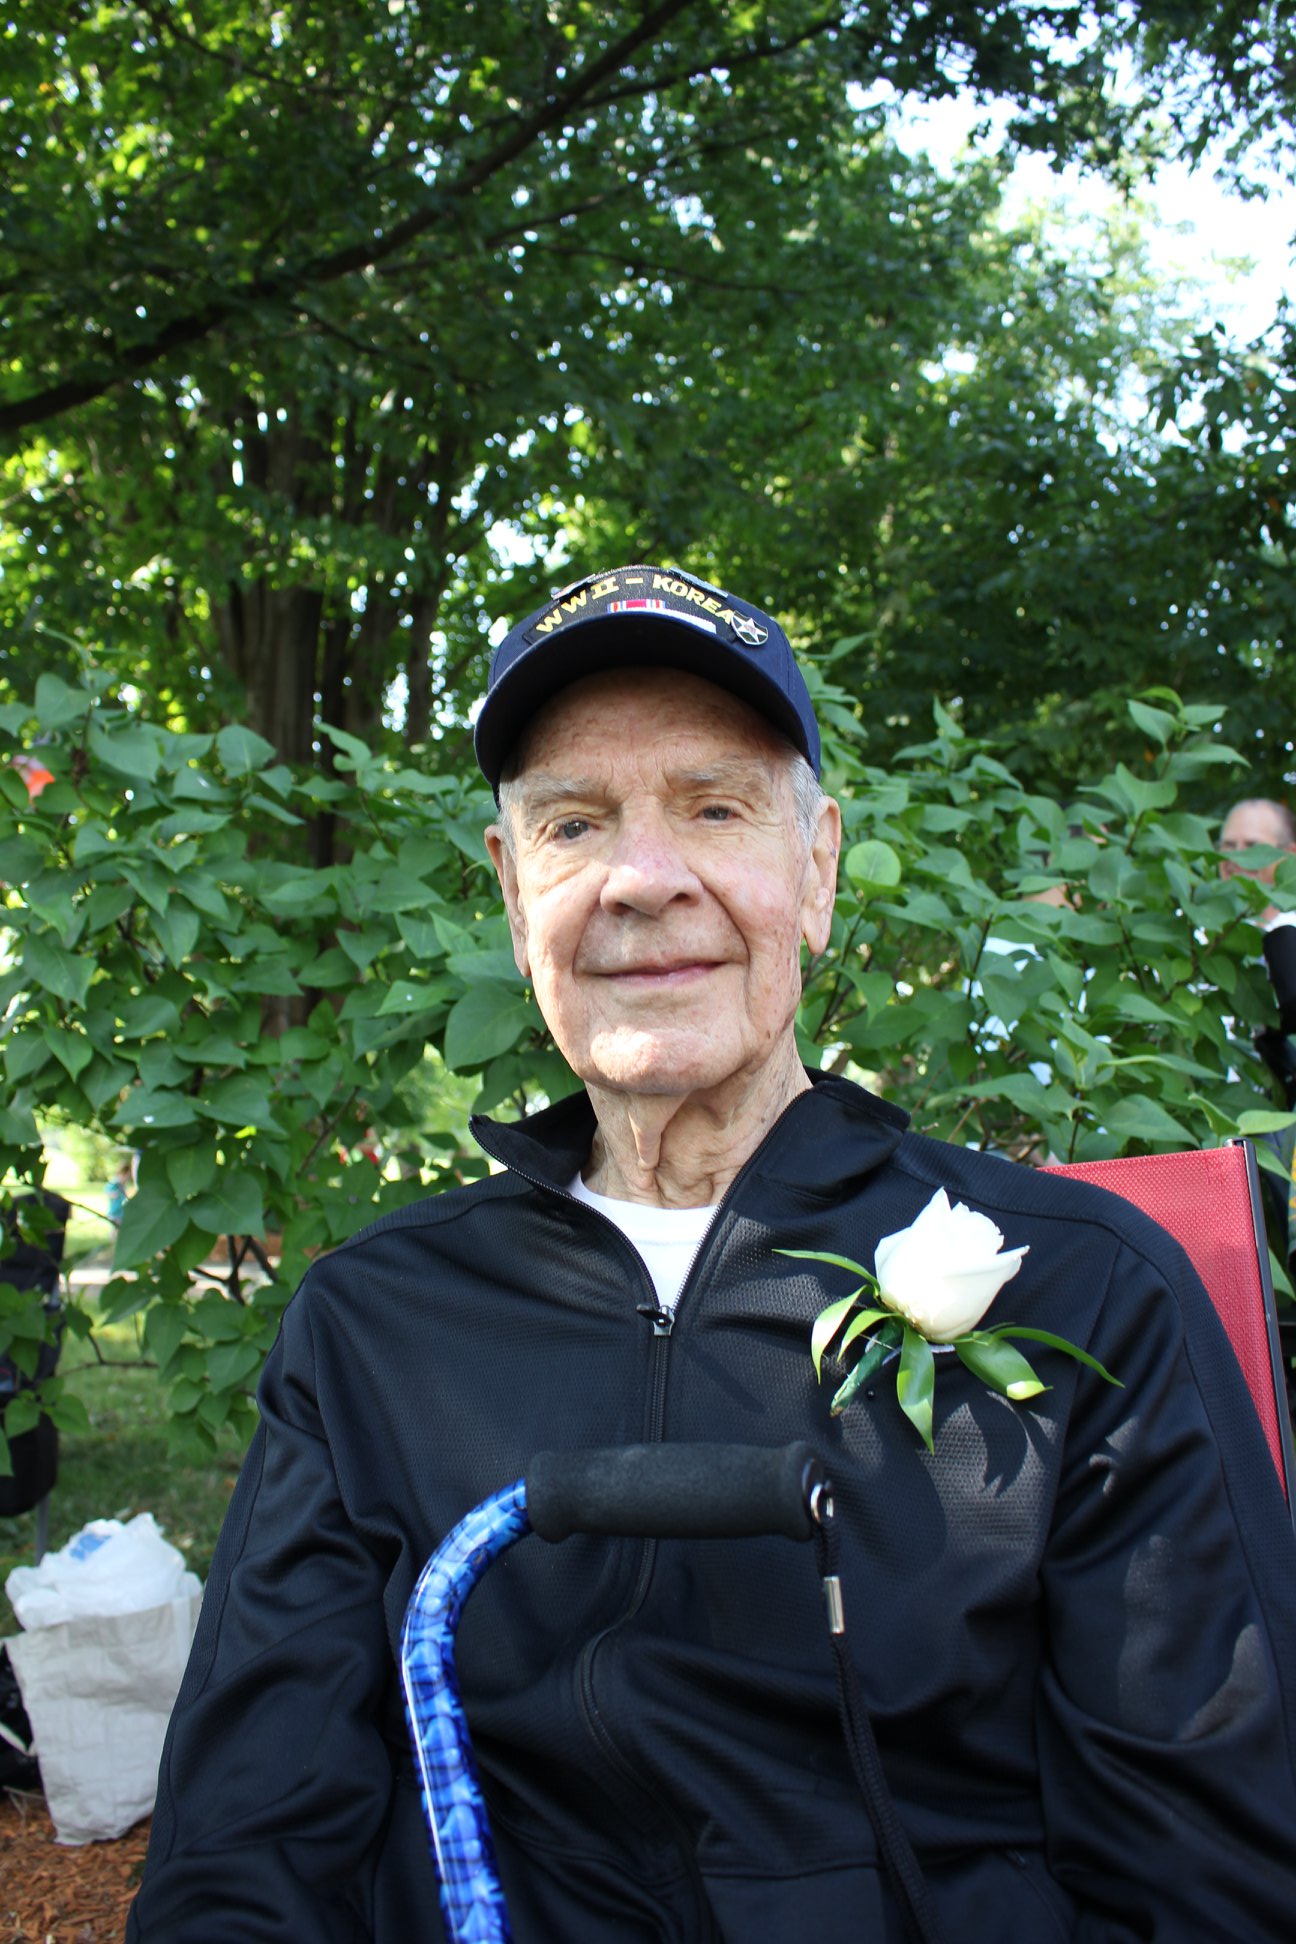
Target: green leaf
[[234, 1207], [916, 1383], [191, 1169], [362, 947], [20, 860], [22, 1415], [270, 808], [177, 930], [72, 1049], [867, 1319], [150, 1223], [152, 1013], [354, 753], [232, 1363], [487, 1021], [65, 1408], [196, 786], [306, 894], [421, 935], [826, 1325], [57, 705], [65, 974], [837, 1261], [1139, 1118], [164, 1329], [872, 866], [1055, 1343], [155, 1107], [241, 750], [1142, 795], [1158, 724], [996, 1363], [266, 973], [132, 751], [1263, 1121], [869, 1363], [407, 996], [25, 1053], [486, 962], [239, 1101]]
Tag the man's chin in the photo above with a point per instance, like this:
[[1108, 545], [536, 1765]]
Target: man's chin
[[654, 1063]]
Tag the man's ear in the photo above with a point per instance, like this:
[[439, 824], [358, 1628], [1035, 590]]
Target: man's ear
[[821, 878], [506, 871]]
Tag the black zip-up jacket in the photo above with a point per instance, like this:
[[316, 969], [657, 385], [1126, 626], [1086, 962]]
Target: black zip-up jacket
[[1074, 1624]]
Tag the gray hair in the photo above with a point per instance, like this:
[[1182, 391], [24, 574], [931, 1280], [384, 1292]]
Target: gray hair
[[1281, 815], [807, 800]]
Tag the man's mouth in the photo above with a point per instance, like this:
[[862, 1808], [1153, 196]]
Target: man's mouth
[[661, 971]]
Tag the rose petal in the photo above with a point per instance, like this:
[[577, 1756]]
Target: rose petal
[[943, 1272]]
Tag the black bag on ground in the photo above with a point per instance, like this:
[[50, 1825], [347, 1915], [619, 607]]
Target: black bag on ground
[[32, 1264], [18, 1769]]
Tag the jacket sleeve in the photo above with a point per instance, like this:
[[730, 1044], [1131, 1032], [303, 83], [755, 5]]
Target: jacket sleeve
[[276, 1788], [1166, 1709]]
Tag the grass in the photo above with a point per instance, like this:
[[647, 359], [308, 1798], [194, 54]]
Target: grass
[[123, 1464]]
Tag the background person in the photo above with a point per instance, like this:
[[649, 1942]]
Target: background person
[[1254, 823]]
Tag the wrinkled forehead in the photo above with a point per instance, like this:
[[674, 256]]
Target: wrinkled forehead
[[1251, 823], [626, 716]]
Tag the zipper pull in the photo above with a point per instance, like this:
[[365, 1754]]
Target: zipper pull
[[661, 1319]]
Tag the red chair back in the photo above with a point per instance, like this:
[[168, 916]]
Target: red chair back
[[1209, 1200]]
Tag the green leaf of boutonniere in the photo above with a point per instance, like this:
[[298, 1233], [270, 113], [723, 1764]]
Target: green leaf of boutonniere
[[826, 1326], [874, 1356], [996, 1363], [916, 1383], [933, 1283], [1056, 1343]]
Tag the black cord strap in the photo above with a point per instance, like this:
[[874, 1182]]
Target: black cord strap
[[903, 1870]]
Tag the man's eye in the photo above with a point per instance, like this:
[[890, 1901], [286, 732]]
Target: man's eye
[[717, 812], [570, 828]]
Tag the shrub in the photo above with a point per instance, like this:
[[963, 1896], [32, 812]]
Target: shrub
[[179, 978]]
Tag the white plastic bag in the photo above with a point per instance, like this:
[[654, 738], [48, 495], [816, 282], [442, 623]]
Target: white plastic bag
[[105, 1568], [98, 1693]]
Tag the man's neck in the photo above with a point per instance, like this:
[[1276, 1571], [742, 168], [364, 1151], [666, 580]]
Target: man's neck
[[683, 1151]]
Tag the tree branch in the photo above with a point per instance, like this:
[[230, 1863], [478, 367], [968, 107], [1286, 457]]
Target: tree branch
[[194, 326]]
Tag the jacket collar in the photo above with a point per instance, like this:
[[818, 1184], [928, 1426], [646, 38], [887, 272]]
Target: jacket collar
[[827, 1138]]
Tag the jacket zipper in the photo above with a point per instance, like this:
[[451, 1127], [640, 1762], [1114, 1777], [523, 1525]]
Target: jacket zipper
[[663, 1321]]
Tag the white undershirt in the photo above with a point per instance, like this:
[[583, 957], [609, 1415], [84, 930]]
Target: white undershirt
[[667, 1238]]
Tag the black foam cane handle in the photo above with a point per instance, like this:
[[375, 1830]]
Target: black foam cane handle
[[675, 1491]]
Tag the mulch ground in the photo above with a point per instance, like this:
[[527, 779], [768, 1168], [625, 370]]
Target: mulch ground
[[53, 1895]]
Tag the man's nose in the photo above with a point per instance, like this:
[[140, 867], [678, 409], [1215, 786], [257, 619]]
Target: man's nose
[[648, 868]]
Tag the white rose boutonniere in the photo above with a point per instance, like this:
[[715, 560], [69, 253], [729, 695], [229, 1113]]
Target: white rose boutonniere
[[934, 1282]]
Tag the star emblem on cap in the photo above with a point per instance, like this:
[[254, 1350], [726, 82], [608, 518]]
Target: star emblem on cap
[[748, 630]]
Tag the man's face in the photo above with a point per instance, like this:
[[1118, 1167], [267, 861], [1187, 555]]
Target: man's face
[[661, 890], [1250, 823]]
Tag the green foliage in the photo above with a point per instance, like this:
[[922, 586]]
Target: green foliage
[[1045, 980], [181, 979], [178, 977], [318, 319]]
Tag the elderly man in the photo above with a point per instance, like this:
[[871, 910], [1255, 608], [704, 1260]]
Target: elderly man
[[1075, 1622]]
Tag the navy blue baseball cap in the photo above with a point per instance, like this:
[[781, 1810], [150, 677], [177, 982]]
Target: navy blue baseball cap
[[633, 617]]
